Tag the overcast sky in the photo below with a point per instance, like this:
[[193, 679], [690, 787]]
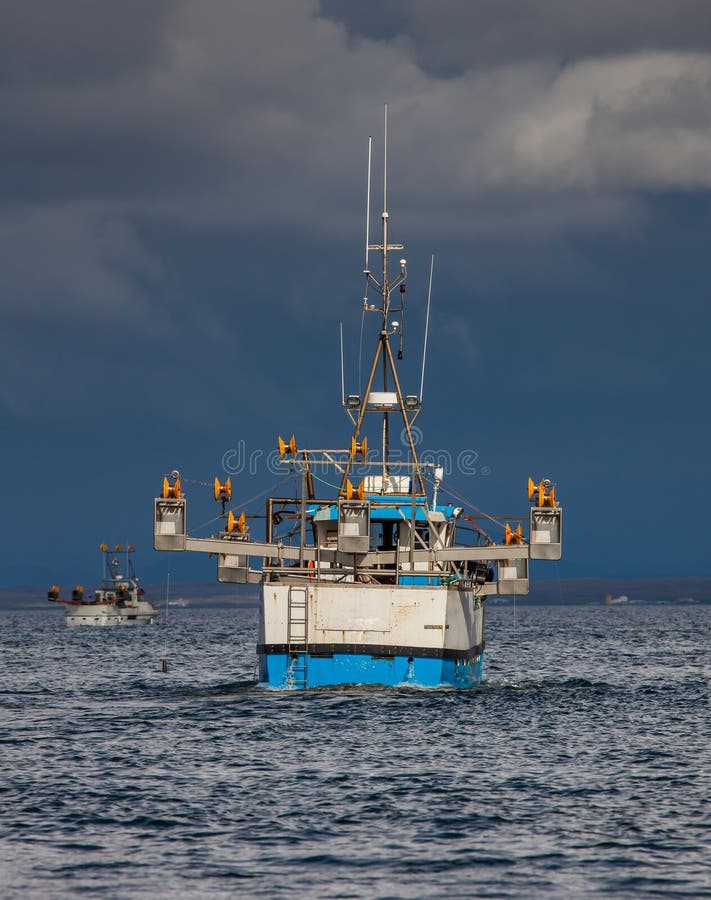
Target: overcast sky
[[182, 229]]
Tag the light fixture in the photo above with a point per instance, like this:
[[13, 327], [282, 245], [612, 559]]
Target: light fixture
[[412, 401], [353, 401]]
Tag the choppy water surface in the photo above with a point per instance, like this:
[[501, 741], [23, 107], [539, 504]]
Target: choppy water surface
[[581, 766]]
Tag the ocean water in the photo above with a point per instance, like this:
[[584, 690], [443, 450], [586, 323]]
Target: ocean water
[[580, 767]]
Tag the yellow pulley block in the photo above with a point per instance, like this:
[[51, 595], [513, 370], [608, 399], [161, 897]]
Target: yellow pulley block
[[289, 447], [540, 493], [103, 547], [352, 492], [223, 491], [361, 448], [513, 537], [118, 548], [236, 524], [531, 488], [171, 490]]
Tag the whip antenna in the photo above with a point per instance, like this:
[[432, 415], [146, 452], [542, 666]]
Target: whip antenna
[[385, 164], [367, 208]]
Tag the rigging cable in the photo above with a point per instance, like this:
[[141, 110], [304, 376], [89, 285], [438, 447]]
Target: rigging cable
[[246, 503], [445, 487]]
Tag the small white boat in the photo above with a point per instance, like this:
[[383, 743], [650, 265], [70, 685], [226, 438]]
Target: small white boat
[[119, 601], [616, 601]]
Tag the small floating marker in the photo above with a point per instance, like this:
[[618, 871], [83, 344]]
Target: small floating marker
[[164, 665]]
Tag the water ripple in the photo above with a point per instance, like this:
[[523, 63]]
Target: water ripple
[[576, 768]]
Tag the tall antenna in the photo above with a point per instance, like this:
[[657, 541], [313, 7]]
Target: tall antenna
[[385, 164], [427, 327], [367, 210]]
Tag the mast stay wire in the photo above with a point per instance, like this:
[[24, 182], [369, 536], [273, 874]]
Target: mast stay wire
[[449, 490], [246, 502]]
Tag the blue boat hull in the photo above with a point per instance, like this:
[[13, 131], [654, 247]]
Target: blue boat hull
[[298, 671]]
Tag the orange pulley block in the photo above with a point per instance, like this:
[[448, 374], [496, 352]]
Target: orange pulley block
[[171, 490], [236, 524], [352, 492], [513, 537], [223, 492], [543, 492], [359, 448], [289, 447]]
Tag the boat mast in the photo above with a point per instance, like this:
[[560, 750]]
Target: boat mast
[[383, 348], [386, 432]]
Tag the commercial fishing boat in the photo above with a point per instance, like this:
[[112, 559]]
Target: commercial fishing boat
[[119, 601], [381, 582]]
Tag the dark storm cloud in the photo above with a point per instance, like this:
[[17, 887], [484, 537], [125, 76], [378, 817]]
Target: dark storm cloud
[[77, 41], [182, 189], [244, 114], [127, 125], [454, 36]]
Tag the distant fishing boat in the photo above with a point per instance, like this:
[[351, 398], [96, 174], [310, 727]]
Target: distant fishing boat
[[119, 601], [614, 601], [380, 582]]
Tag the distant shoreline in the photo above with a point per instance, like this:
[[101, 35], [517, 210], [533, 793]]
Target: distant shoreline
[[565, 591]]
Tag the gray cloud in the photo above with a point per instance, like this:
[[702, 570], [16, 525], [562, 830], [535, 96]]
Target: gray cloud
[[454, 36], [509, 122]]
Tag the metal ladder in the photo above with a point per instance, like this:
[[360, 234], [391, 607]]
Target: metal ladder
[[297, 629]]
